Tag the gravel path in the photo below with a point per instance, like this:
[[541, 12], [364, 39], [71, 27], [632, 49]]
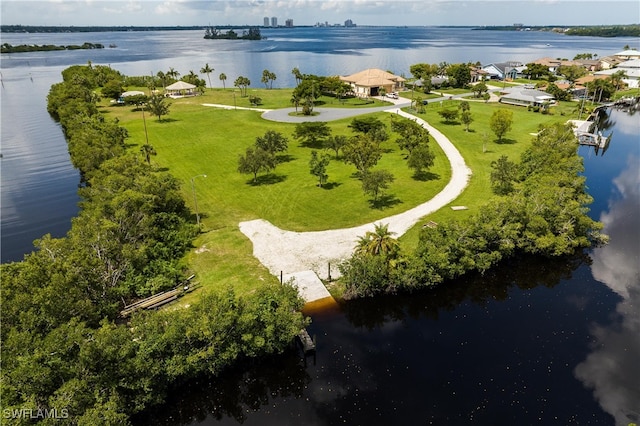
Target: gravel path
[[290, 252]]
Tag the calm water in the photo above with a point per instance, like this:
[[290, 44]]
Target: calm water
[[535, 342]]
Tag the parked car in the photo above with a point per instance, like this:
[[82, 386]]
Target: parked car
[[392, 95]]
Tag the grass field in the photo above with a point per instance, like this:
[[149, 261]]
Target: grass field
[[194, 140]]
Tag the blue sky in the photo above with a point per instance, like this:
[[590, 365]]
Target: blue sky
[[308, 12]]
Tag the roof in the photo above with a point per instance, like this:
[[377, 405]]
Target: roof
[[630, 52], [529, 95], [180, 85], [132, 93], [372, 77]]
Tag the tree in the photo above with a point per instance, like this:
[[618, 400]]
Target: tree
[[420, 158], [256, 160], [503, 174], [380, 242], [242, 83], [112, 89], [479, 88], [363, 152], [318, 166], [295, 100], [466, 119], [148, 150], [411, 134], [312, 133], [572, 72], [500, 122], [449, 114], [423, 71], [336, 143], [207, 70], [223, 78], [376, 182], [460, 74], [601, 88], [268, 78], [272, 142], [158, 106], [535, 71], [307, 91], [617, 79], [172, 74], [297, 74]]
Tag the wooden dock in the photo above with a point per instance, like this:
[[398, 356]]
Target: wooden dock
[[158, 300], [307, 344]]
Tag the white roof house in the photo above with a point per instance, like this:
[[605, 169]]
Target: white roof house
[[180, 88], [628, 54], [525, 97], [631, 70]]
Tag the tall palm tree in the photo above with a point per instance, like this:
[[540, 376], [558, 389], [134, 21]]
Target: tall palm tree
[[207, 70], [380, 242], [223, 77]]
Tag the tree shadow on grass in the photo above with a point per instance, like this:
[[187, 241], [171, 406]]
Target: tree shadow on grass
[[285, 158], [505, 141], [424, 176], [331, 185], [268, 179], [384, 202]]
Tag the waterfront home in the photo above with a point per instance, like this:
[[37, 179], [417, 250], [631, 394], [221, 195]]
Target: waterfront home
[[631, 71], [629, 54], [525, 97], [373, 81], [503, 70], [609, 62]]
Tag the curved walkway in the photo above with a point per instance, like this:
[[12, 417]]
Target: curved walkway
[[290, 252]]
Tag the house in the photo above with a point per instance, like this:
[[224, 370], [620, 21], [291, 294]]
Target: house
[[179, 89], [631, 70], [553, 64], [372, 81], [503, 70], [525, 97], [609, 62], [626, 55]]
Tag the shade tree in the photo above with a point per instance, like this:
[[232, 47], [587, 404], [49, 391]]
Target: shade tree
[[256, 160], [500, 122], [376, 182], [312, 133], [362, 152]]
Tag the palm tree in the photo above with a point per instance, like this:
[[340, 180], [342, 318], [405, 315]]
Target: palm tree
[[223, 77], [379, 242], [148, 150], [172, 74], [297, 74], [295, 100], [207, 70]]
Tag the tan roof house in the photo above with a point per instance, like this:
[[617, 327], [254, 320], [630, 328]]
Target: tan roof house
[[609, 62], [373, 81]]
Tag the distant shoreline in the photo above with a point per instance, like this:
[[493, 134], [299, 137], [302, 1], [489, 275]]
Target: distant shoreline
[[631, 30]]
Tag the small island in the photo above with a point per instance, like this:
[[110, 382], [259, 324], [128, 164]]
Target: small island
[[213, 33], [7, 48]]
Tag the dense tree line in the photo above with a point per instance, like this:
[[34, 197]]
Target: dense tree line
[[64, 348], [8, 48], [542, 211]]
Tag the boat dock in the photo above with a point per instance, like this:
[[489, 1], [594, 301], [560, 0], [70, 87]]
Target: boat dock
[[157, 300]]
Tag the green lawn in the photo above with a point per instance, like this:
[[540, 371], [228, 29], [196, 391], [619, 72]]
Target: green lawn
[[194, 140]]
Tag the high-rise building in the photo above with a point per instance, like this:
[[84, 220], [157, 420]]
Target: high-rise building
[[288, 23], [274, 21], [266, 21], [349, 23]]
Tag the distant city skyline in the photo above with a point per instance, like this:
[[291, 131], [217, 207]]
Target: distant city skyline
[[309, 12]]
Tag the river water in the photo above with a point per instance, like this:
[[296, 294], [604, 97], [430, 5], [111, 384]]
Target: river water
[[533, 342]]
